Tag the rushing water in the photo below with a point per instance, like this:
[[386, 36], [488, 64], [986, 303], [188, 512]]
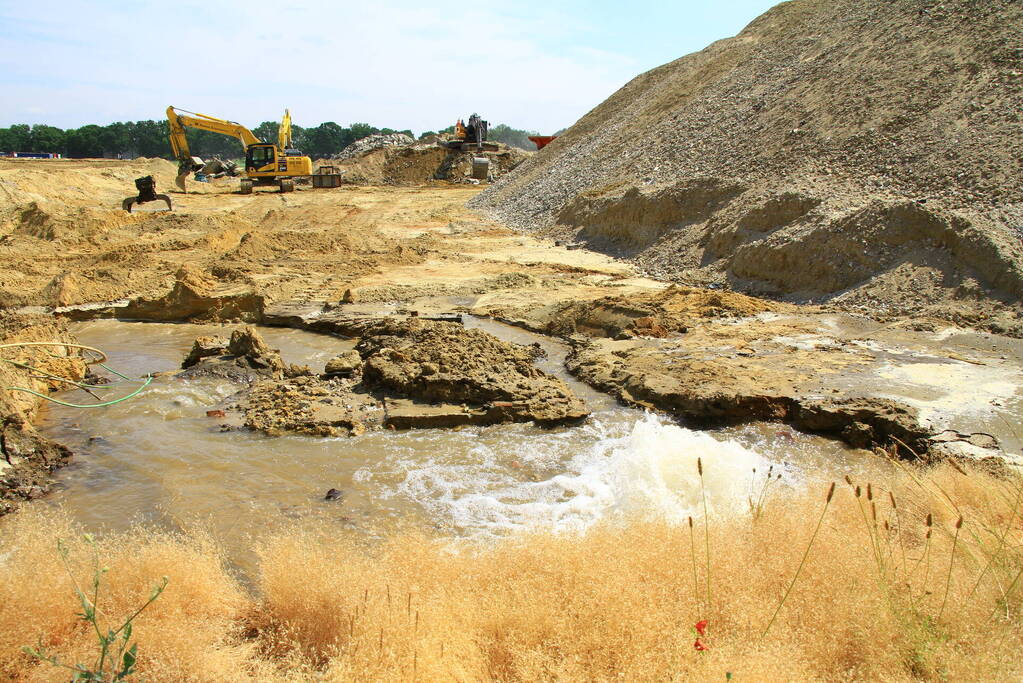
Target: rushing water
[[159, 458]]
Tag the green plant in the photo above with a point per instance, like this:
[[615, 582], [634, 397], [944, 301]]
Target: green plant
[[116, 659]]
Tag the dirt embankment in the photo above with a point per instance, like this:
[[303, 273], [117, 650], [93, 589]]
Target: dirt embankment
[[842, 151], [669, 312], [416, 164], [26, 457]]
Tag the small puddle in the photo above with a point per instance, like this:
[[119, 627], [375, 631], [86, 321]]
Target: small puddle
[[158, 458]]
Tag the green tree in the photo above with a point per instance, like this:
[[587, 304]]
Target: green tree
[[149, 138], [361, 130], [46, 139], [85, 142], [325, 139], [267, 131], [19, 138], [512, 136], [115, 139]]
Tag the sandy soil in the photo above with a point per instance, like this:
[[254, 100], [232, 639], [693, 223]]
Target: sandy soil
[[67, 242]]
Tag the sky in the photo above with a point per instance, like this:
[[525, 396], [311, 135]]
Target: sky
[[533, 64]]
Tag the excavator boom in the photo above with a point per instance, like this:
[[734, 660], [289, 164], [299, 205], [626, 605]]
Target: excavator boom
[[179, 121]]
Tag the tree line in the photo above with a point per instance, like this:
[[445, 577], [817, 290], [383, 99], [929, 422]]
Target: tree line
[[131, 139]]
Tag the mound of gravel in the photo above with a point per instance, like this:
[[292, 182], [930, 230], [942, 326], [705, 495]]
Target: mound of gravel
[[859, 152], [369, 143]]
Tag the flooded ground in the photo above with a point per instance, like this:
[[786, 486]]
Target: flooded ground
[[159, 458]]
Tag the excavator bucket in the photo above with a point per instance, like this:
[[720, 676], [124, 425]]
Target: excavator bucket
[[129, 202], [185, 168], [146, 186]]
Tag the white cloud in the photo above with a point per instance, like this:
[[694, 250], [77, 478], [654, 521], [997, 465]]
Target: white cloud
[[396, 64]]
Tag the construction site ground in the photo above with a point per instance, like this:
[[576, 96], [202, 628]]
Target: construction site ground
[[323, 258]]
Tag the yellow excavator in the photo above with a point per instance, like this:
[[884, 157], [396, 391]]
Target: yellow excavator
[[265, 162]]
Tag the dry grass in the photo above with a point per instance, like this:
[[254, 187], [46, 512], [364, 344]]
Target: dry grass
[[617, 603]]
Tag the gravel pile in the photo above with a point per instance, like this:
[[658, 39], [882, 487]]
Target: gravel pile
[[373, 142], [784, 161]]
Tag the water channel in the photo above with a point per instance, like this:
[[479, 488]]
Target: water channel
[[158, 458]]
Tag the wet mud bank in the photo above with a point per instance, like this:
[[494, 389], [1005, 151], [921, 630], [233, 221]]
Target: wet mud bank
[[401, 374], [919, 394], [27, 458], [709, 359]]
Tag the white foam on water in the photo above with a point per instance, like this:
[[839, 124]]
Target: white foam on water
[[650, 470]]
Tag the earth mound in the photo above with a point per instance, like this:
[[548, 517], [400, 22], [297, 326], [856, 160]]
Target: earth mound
[[444, 362], [399, 160], [835, 150]]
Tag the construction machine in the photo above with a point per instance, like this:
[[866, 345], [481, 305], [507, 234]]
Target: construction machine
[[471, 135], [266, 163]]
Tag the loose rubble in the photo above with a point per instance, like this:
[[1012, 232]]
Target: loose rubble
[[371, 143], [403, 374]]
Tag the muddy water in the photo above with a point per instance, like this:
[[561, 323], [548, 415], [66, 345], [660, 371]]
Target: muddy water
[[158, 458]]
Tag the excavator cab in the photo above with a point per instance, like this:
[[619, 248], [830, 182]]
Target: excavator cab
[[265, 164], [261, 159]]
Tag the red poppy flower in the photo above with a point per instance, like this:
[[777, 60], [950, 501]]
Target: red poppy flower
[[701, 627], [699, 646]]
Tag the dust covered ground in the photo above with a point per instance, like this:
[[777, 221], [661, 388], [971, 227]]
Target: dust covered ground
[[65, 241]]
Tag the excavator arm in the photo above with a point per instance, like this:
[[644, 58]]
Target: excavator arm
[[179, 120], [284, 132]]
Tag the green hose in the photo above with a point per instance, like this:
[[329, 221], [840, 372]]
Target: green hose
[[81, 405], [85, 387]]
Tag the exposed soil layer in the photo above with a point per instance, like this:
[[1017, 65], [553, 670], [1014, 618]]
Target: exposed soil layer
[[415, 164], [26, 457], [653, 314], [851, 152]]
